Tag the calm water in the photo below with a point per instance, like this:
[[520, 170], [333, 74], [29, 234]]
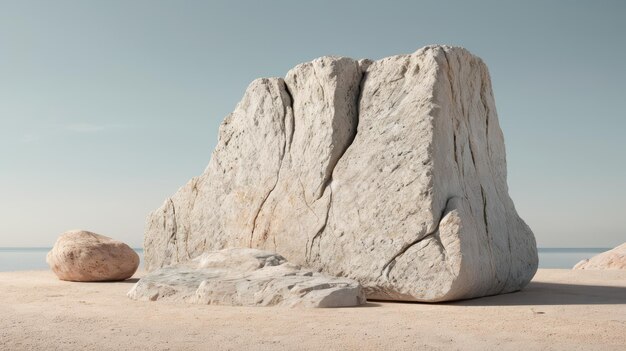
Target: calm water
[[565, 257], [23, 259]]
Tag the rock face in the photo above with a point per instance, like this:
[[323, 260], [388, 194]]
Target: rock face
[[83, 256], [612, 259], [390, 172], [246, 277]]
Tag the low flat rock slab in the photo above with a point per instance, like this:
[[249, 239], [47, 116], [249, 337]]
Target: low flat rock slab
[[246, 277]]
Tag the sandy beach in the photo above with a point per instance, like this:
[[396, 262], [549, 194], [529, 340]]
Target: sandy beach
[[559, 310]]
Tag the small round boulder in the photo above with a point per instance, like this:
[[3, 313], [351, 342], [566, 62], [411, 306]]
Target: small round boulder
[[83, 256]]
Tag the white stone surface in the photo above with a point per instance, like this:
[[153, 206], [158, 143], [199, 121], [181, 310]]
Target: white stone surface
[[83, 256], [391, 172], [246, 277], [612, 259]]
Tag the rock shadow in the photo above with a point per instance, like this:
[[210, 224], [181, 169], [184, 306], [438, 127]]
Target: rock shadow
[[543, 293], [128, 281]]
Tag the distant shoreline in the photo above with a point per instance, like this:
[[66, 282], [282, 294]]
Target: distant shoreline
[[34, 258], [540, 249], [25, 248]]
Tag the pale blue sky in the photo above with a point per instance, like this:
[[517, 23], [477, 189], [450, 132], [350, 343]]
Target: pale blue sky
[[107, 107]]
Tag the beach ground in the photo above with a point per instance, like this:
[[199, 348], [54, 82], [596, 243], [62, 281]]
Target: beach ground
[[559, 310]]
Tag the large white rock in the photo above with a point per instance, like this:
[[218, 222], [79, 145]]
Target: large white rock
[[390, 172], [612, 259], [246, 277]]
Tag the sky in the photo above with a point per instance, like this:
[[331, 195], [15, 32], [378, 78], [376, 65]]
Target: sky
[[108, 107]]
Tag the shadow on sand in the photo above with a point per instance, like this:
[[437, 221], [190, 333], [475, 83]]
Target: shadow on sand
[[544, 294], [128, 281], [540, 293]]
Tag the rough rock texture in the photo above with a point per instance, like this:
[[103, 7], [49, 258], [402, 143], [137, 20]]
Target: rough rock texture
[[84, 256], [612, 259], [246, 277], [390, 172]]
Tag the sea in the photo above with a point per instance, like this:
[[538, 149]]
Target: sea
[[34, 258], [30, 258]]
